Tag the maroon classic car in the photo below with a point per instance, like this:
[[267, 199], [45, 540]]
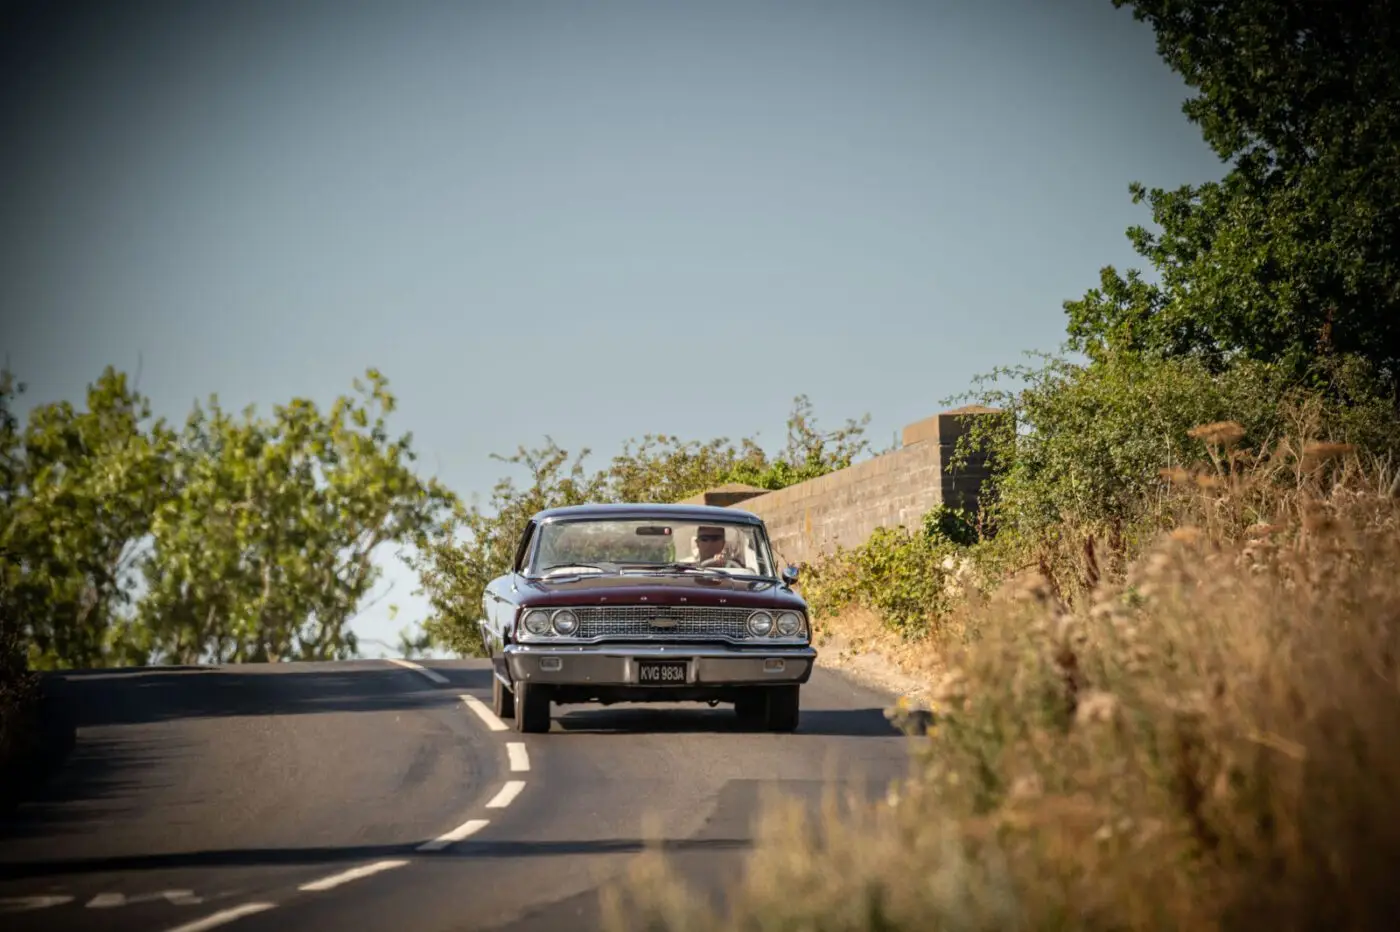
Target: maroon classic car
[[646, 603]]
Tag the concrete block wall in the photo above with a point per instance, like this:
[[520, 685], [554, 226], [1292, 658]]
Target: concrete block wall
[[845, 507]]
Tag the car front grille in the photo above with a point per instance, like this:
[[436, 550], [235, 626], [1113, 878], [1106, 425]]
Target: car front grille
[[661, 621]]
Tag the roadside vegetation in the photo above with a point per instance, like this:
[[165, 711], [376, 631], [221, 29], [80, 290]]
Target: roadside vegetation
[[1161, 660]]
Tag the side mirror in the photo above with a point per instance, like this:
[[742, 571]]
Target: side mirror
[[789, 574]]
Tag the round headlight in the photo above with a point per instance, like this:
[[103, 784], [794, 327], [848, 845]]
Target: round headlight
[[565, 622], [789, 623], [537, 622], [760, 623]]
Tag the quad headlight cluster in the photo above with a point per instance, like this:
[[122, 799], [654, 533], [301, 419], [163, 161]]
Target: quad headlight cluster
[[540, 622], [787, 624]]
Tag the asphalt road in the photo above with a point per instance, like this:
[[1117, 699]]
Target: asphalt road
[[368, 795]]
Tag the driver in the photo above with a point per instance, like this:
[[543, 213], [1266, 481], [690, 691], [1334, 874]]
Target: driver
[[709, 546]]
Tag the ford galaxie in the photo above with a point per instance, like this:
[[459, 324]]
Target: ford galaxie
[[646, 603]]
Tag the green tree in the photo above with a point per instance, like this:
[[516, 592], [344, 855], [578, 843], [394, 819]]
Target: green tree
[[128, 542], [665, 468], [80, 487], [1290, 258], [264, 550]]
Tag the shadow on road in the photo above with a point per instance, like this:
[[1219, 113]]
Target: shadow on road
[[854, 723], [291, 857], [148, 696], [103, 747], [91, 789]]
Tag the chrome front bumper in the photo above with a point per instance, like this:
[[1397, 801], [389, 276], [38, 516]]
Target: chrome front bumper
[[618, 665]]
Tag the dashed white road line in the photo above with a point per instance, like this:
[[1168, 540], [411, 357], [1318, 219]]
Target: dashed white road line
[[506, 795], [433, 675], [354, 873], [483, 713], [107, 900], [219, 918], [466, 829], [519, 757]]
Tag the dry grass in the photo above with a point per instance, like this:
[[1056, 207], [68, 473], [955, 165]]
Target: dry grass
[[1211, 742], [857, 641]]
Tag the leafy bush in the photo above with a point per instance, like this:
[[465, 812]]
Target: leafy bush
[[1078, 477], [897, 573], [950, 524], [910, 578], [1078, 459]]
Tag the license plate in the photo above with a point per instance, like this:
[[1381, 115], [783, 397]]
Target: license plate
[[661, 671]]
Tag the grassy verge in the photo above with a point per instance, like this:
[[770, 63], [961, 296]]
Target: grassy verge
[[1209, 739]]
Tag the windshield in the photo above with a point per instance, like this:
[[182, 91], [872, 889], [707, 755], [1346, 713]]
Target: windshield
[[592, 546]]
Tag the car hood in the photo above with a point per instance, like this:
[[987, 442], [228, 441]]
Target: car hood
[[680, 589]]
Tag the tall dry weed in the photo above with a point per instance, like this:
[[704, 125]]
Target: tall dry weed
[[1211, 741]]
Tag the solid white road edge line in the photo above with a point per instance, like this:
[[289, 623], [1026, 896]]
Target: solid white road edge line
[[519, 757], [219, 918], [354, 873], [433, 675], [15, 904], [470, 827], [483, 713], [506, 795]]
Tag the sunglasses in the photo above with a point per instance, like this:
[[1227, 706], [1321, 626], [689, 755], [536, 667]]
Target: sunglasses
[[710, 537]]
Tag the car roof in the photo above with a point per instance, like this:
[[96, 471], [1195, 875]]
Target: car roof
[[650, 510]]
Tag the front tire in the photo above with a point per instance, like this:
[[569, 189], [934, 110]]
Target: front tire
[[750, 708], [783, 708], [502, 699], [531, 708]]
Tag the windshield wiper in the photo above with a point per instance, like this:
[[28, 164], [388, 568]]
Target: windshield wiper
[[566, 566], [689, 566]]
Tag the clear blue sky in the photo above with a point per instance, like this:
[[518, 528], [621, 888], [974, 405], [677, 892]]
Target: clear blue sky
[[561, 218]]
